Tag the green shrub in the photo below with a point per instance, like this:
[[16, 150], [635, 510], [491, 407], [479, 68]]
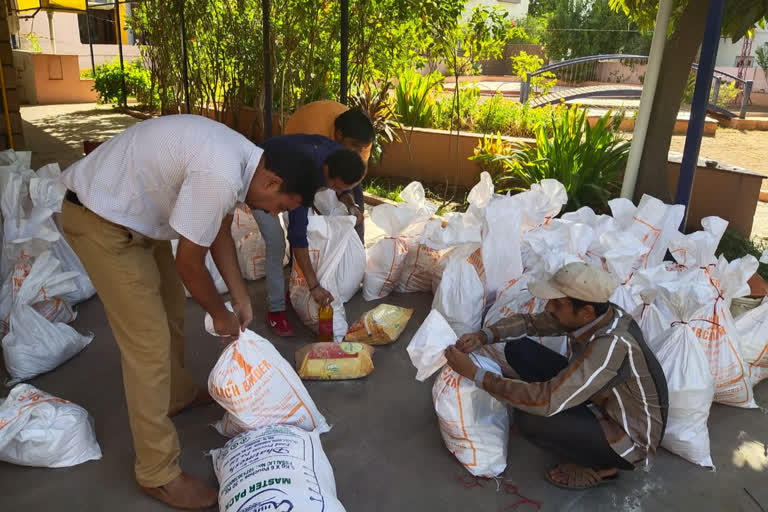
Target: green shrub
[[509, 117], [414, 97], [491, 152], [138, 84], [385, 190], [524, 64], [725, 97], [588, 161], [469, 96]]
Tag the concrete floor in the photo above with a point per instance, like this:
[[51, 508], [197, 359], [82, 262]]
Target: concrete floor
[[385, 446]]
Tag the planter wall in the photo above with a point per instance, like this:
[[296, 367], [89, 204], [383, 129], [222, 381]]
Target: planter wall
[[433, 157], [728, 192], [725, 191]]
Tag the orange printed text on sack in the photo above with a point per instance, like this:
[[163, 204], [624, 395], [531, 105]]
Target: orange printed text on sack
[[712, 333], [252, 377], [450, 378]]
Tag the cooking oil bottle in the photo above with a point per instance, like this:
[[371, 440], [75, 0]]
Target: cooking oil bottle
[[325, 324]]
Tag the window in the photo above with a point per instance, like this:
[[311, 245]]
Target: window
[[102, 26]]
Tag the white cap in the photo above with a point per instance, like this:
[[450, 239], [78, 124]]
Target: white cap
[[578, 281]]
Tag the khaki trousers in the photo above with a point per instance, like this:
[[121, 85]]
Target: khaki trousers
[[143, 296]]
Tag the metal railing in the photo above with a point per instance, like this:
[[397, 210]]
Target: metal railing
[[573, 72]]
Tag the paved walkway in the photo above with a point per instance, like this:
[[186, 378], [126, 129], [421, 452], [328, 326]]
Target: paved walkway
[[55, 133]]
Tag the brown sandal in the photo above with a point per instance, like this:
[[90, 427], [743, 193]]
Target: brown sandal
[[579, 477]]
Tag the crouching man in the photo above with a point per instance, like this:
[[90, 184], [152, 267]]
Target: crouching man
[[602, 408], [327, 164]]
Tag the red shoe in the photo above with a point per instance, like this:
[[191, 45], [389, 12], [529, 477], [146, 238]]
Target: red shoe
[[279, 323]]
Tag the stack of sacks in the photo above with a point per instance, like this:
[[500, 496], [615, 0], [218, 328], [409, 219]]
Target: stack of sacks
[[275, 460], [338, 257], [28, 201], [41, 276], [491, 244], [250, 245], [398, 260], [34, 343]]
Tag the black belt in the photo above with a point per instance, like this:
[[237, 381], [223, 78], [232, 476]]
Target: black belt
[[72, 198]]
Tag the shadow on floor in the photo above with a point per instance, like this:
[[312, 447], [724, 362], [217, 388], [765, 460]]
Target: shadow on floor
[[59, 138]]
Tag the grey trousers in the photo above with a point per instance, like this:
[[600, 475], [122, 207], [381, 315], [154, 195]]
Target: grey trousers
[[274, 240]]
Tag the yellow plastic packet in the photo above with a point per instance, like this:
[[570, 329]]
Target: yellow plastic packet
[[334, 361], [380, 326]]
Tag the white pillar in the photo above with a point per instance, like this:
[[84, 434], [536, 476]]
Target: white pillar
[[51, 33], [646, 98]]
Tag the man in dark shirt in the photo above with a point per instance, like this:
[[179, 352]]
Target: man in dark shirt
[[335, 167]]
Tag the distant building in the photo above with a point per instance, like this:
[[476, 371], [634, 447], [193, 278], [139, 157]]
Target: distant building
[[516, 8], [729, 55], [51, 47], [71, 32]]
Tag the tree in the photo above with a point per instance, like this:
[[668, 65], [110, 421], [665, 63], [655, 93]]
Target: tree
[[682, 46], [577, 28], [762, 58]]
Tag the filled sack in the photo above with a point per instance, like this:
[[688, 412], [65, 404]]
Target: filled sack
[[38, 429], [386, 258], [250, 245], [257, 387], [653, 223], [421, 262], [714, 327], [29, 201], [338, 257], [651, 315], [474, 425], [33, 344], [277, 468], [689, 381], [334, 361], [752, 327], [428, 345], [460, 297], [380, 326]]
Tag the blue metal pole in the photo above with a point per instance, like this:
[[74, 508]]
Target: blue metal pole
[[699, 105]]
